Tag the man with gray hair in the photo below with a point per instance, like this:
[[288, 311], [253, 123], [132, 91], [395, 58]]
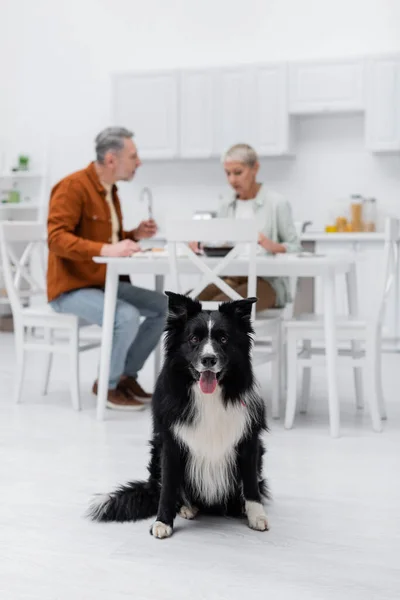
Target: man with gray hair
[[84, 221]]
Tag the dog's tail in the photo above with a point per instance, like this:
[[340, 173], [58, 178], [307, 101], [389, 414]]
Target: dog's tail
[[131, 502]]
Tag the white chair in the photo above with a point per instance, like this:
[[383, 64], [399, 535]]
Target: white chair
[[23, 287], [364, 336], [179, 232]]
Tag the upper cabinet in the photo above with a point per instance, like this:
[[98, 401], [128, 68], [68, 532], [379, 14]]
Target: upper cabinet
[[334, 86], [200, 113], [235, 118], [223, 107], [383, 104], [197, 114], [147, 103], [271, 118]]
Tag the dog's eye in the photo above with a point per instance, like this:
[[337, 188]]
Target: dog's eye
[[194, 339], [223, 339]]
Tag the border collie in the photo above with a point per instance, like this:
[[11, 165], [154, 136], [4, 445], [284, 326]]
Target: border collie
[[206, 450]]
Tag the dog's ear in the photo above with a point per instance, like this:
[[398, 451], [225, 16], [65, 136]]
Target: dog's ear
[[239, 309], [182, 307]]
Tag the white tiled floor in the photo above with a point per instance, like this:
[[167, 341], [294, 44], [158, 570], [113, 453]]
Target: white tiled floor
[[335, 530]]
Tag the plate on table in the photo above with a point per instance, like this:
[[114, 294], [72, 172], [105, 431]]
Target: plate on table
[[217, 251], [310, 255]]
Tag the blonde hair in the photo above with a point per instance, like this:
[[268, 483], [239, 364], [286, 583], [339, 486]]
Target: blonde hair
[[242, 153]]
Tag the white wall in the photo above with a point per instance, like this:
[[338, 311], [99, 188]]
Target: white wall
[[56, 59]]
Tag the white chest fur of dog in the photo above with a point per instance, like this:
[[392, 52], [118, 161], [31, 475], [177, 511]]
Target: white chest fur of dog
[[211, 440]]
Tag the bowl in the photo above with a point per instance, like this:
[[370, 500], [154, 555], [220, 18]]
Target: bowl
[[217, 251]]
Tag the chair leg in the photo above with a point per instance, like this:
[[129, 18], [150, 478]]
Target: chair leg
[[20, 361], [48, 337], [305, 379], [358, 387], [74, 365], [291, 345], [357, 371], [371, 360], [275, 373], [378, 376], [282, 362]]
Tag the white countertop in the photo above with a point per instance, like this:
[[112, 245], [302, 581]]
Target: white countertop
[[321, 236]]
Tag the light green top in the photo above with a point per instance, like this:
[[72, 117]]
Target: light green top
[[274, 214]]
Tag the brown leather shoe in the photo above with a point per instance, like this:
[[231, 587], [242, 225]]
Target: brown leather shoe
[[119, 399], [132, 385]]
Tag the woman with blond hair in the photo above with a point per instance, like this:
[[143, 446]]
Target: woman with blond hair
[[252, 200]]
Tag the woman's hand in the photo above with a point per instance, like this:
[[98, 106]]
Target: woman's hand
[[269, 245], [195, 247]]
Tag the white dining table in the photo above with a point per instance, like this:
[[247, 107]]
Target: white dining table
[[282, 265]]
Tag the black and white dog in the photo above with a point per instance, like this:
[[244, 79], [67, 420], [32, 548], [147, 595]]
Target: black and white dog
[[206, 451]]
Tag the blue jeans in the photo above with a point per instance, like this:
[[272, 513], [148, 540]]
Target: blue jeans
[[133, 341]]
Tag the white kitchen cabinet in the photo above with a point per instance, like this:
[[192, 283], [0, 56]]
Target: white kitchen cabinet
[[331, 86], [235, 121], [147, 103], [252, 108], [271, 118], [383, 104], [197, 114]]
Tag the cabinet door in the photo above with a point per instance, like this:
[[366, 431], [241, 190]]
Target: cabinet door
[[148, 105], [383, 104], [271, 118], [326, 87], [197, 114], [235, 110]]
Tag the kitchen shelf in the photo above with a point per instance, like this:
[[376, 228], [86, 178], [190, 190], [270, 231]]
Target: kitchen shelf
[[19, 206], [21, 175]]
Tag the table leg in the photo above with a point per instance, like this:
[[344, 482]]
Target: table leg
[[331, 351], [396, 300], [159, 283], [110, 300], [356, 346]]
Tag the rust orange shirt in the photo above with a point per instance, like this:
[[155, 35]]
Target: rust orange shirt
[[78, 225]]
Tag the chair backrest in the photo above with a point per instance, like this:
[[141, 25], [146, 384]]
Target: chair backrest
[[390, 265], [239, 232], [20, 244]]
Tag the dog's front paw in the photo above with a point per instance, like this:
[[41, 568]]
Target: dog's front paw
[[256, 516], [161, 530], [259, 523], [188, 512]]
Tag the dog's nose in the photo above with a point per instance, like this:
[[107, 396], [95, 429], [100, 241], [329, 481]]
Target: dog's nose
[[208, 361]]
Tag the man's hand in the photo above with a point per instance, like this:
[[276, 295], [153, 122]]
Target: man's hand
[[146, 229], [123, 248]]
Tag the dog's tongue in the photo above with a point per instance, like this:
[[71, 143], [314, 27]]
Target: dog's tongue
[[208, 382]]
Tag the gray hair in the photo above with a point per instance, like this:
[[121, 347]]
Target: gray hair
[[242, 153], [111, 139]]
